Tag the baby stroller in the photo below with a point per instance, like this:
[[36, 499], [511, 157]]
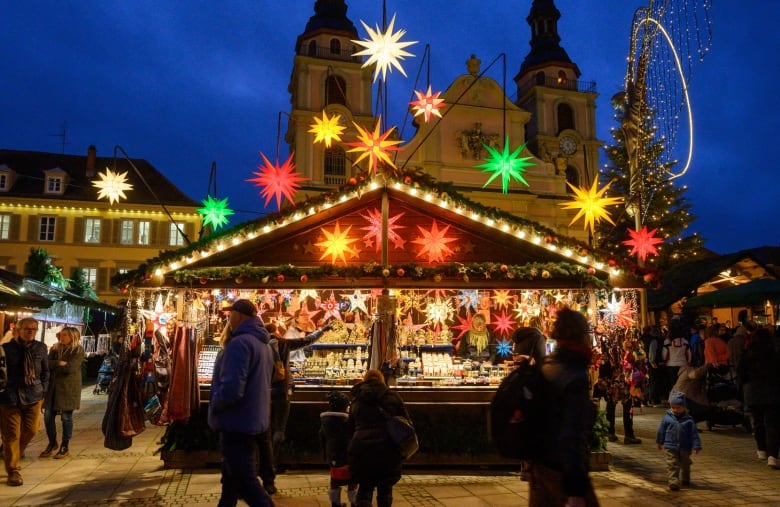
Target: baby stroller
[[105, 374], [726, 407]]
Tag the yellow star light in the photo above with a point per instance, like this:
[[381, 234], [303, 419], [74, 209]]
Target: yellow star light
[[383, 49], [327, 129], [591, 204], [337, 244], [112, 185], [374, 146]]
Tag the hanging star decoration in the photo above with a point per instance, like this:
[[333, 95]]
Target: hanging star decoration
[[327, 129], [643, 242], [374, 235], [427, 104], [331, 308], [409, 325], [463, 326], [503, 324], [357, 301], [510, 166], [277, 181], [504, 348], [591, 204], [435, 243], [374, 146], [383, 49], [307, 293], [502, 297], [337, 244], [215, 212], [439, 311], [468, 299], [112, 185], [622, 312]]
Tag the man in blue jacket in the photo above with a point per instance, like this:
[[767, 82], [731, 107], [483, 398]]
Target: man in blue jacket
[[240, 404]]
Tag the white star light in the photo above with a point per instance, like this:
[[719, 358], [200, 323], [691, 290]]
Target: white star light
[[112, 185], [383, 49]]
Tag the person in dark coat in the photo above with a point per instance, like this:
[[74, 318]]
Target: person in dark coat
[[335, 434], [559, 476], [758, 373], [530, 343], [27, 365], [64, 393], [374, 459]]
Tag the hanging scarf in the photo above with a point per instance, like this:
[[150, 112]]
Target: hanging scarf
[[29, 364], [479, 340]]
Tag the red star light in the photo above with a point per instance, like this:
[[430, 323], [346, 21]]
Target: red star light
[[643, 242], [427, 104], [374, 228], [435, 243], [277, 181], [503, 324]]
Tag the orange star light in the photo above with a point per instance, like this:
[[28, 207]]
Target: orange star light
[[427, 104], [435, 243], [591, 204], [374, 146], [327, 129], [643, 242], [277, 181], [337, 244]]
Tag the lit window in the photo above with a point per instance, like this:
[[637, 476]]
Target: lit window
[[46, 228], [126, 236], [91, 230], [90, 275], [143, 232], [54, 184], [175, 237], [5, 226]]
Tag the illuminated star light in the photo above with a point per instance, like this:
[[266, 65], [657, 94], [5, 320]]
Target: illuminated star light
[[112, 185], [383, 49], [331, 308], [327, 129], [215, 211], [643, 242], [435, 243], [504, 348], [277, 181], [374, 146], [507, 165], [336, 244], [357, 301], [591, 204], [409, 324], [468, 299], [438, 311], [502, 298], [622, 312], [374, 228], [427, 104], [503, 324], [465, 325]]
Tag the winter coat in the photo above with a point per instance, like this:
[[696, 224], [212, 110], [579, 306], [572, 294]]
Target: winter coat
[[529, 341], [241, 384], [373, 456], [758, 372], [572, 414], [692, 382], [677, 352], [64, 391], [678, 433], [285, 346], [16, 392], [335, 434]]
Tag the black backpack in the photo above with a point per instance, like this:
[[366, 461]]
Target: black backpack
[[518, 412]]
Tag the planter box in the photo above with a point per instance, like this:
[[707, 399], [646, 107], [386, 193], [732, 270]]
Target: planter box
[[600, 461]]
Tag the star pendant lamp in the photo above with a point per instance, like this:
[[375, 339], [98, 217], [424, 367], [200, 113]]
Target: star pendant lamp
[[427, 104], [591, 204], [112, 185], [510, 166], [327, 129], [277, 181], [643, 242], [337, 244], [374, 146], [383, 49], [215, 212], [435, 243]]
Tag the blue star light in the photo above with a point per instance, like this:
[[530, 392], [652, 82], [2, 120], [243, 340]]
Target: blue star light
[[504, 348]]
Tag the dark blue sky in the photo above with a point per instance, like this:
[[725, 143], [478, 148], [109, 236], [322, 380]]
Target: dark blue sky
[[184, 83]]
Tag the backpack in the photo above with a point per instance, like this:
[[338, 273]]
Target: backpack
[[279, 372], [517, 412]]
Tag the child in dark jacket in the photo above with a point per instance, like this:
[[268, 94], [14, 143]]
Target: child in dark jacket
[[678, 436], [335, 435]]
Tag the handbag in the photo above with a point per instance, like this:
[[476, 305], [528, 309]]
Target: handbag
[[402, 433]]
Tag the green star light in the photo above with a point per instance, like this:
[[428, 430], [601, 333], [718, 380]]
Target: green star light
[[507, 165], [215, 212]]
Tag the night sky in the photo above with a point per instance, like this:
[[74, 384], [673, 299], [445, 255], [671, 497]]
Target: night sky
[[186, 83]]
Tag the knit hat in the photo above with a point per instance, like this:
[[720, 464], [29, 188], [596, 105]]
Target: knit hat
[[244, 306], [337, 401], [676, 398]]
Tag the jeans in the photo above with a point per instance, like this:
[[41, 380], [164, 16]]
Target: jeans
[[49, 419], [239, 471], [265, 458], [18, 426]]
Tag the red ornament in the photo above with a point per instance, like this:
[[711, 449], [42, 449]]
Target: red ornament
[[203, 281], [239, 280], [280, 277], [649, 277], [399, 272], [124, 290], [304, 278], [408, 180], [612, 262], [591, 270], [549, 239], [584, 252], [503, 268], [353, 181]]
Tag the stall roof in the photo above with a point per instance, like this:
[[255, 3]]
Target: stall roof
[[42, 296], [756, 292]]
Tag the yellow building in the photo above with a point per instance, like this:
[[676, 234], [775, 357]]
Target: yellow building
[[48, 200]]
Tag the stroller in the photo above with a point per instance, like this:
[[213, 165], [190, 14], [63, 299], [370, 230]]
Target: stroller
[[105, 374], [726, 407]]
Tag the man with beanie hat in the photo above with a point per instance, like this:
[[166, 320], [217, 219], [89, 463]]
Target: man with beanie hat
[[678, 436]]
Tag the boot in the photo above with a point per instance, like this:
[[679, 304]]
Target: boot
[[49, 450], [63, 452]]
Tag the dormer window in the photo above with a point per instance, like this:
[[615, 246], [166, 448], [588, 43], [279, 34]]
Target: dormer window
[[6, 178], [54, 181]]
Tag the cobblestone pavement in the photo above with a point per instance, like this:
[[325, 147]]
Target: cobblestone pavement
[[725, 473]]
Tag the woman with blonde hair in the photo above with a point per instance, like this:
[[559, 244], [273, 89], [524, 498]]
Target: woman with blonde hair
[[64, 393]]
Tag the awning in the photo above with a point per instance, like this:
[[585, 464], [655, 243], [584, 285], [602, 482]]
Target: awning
[[752, 293]]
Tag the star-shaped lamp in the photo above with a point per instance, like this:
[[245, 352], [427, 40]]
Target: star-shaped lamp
[[112, 185], [374, 146], [383, 49], [643, 242], [215, 212], [510, 166], [427, 104], [591, 204], [277, 181], [435, 243], [327, 129], [337, 244]]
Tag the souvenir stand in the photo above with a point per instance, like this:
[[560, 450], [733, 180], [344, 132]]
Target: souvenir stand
[[401, 265]]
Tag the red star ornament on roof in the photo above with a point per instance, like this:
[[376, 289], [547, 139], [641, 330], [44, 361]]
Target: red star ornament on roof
[[427, 104], [374, 235], [643, 242], [374, 146], [435, 243], [277, 181]]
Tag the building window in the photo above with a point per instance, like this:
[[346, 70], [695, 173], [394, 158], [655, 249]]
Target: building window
[[126, 233], [3, 182], [540, 78], [91, 230], [335, 166], [143, 232], [54, 185], [565, 117], [90, 276], [573, 178], [313, 48], [335, 47], [335, 91], [5, 226], [46, 229], [176, 238]]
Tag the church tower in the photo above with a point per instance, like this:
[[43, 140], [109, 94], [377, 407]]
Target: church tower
[[326, 77], [562, 129]]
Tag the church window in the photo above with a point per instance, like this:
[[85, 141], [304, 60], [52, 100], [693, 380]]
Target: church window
[[335, 47], [335, 166], [313, 48], [335, 91], [565, 117], [573, 178]]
